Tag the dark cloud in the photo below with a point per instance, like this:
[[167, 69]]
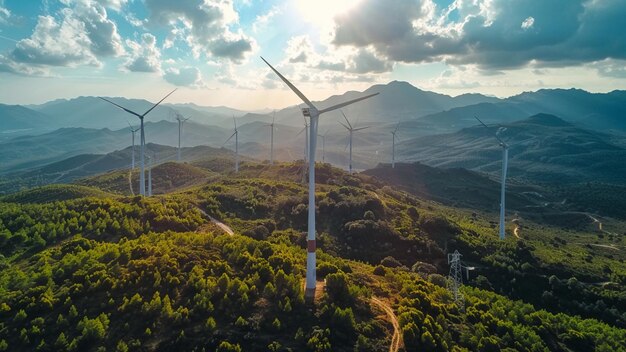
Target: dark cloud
[[495, 35]]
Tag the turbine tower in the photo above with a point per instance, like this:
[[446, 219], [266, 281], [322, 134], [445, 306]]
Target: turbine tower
[[351, 130], [149, 175], [236, 135], [133, 131], [393, 146], [181, 121], [142, 175], [306, 148], [505, 162], [271, 125], [323, 136], [313, 113]]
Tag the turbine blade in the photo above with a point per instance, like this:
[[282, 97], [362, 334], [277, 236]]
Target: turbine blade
[[302, 130], [229, 138], [123, 108], [160, 101], [482, 123], [341, 105], [397, 125], [273, 117], [293, 88], [348, 128], [344, 116], [361, 128]]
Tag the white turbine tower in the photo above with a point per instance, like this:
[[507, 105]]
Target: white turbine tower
[[314, 115], [351, 130], [133, 131], [236, 135], [181, 121], [306, 147], [271, 126], [149, 175], [505, 162], [142, 175], [323, 136], [393, 146]]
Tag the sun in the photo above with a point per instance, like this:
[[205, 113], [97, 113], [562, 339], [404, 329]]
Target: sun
[[322, 12]]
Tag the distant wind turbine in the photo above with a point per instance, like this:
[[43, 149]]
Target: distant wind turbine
[[393, 146], [271, 125], [351, 130], [142, 175], [181, 121], [306, 147], [312, 112], [505, 162], [236, 135], [133, 131], [149, 175], [323, 136]]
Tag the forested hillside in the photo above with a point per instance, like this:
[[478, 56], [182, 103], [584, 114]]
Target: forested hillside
[[91, 271]]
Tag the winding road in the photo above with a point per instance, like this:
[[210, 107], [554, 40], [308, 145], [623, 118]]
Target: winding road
[[219, 224], [396, 339]]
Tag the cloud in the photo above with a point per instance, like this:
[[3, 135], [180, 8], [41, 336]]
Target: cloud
[[80, 36], [262, 20], [55, 44], [186, 76], [206, 26], [528, 23], [5, 14], [145, 56], [493, 34]]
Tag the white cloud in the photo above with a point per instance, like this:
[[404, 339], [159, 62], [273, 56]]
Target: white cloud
[[185, 76], [145, 56], [80, 35], [261, 21], [528, 23], [5, 14], [56, 44], [206, 26]]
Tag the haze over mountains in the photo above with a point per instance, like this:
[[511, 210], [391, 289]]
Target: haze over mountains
[[557, 144]]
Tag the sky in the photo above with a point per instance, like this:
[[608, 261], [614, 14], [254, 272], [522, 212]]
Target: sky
[[210, 49]]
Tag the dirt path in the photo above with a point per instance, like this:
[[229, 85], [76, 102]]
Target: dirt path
[[396, 339], [219, 224]]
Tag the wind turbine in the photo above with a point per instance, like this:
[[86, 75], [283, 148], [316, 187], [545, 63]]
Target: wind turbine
[[393, 146], [314, 114], [142, 176], [271, 125], [323, 136], [236, 135], [181, 121], [351, 130], [149, 175], [505, 162], [306, 147], [133, 131]]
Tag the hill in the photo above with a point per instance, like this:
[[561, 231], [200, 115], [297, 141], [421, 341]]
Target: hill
[[17, 120], [155, 274], [543, 148], [54, 193]]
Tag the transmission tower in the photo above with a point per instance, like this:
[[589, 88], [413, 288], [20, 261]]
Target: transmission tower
[[455, 279]]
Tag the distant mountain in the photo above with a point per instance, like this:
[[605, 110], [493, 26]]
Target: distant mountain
[[16, 120], [542, 148], [84, 165], [598, 111]]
